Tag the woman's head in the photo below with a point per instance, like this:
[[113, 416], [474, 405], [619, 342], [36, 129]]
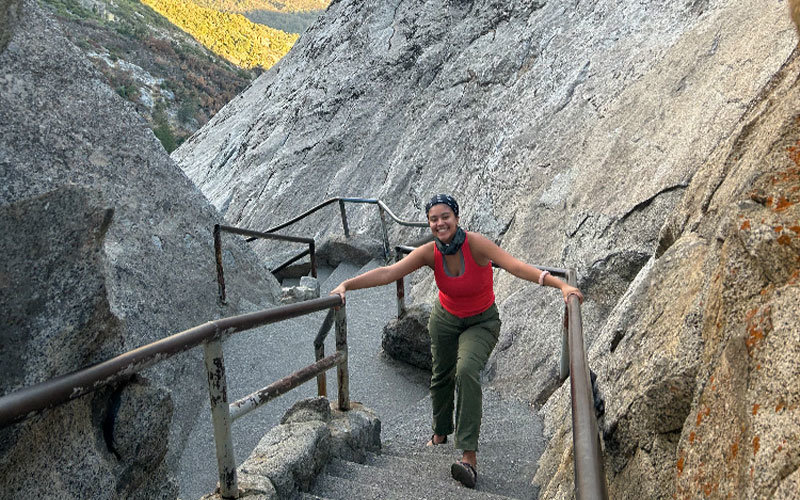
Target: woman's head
[[445, 199], [442, 214]]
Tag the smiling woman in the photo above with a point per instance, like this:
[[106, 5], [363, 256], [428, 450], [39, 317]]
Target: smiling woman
[[464, 325]]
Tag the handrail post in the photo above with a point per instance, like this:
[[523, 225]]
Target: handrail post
[[221, 418], [386, 251], [218, 254], [312, 251], [344, 219], [401, 289], [342, 373], [401, 301], [563, 371], [322, 383]]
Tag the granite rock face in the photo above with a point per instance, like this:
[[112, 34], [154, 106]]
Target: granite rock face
[[698, 360], [106, 246], [647, 144], [568, 133]]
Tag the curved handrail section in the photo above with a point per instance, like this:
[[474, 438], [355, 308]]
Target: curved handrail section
[[342, 200]]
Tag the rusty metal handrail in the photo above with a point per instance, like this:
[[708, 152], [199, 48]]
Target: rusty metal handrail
[[590, 479], [383, 210], [342, 200], [28, 401], [254, 235]]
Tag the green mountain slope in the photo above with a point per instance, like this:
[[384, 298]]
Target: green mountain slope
[[174, 82], [231, 36]]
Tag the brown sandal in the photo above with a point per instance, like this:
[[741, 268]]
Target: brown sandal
[[464, 473]]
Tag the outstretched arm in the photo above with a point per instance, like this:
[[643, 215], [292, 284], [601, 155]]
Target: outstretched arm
[[488, 249], [387, 274]]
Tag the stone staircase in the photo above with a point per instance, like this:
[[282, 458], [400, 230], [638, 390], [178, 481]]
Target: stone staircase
[[511, 441], [511, 438]]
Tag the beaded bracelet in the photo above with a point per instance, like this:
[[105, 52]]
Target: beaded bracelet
[[542, 276]]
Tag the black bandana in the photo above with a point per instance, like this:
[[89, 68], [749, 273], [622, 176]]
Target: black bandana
[[454, 245], [442, 198]]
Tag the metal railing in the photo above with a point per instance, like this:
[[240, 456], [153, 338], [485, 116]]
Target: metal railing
[[383, 210], [589, 468], [30, 400], [590, 478], [252, 236]]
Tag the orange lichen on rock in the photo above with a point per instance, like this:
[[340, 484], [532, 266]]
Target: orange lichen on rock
[[796, 229], [734, 450], [703, 413], [783, 204], [784, 239], [781, 405], [756, 445], [745, 225], [692, 436], [709, 488], [755, 408], [778, 229], [757, 327], [680, 465]]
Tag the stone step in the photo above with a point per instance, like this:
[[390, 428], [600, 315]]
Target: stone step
[[412, 483], [306, 496], [342, 272], [502, 475], [337, 488], [510, 442], [493, 474]]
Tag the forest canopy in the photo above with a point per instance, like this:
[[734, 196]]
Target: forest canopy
[[231, 36], [287, 6]]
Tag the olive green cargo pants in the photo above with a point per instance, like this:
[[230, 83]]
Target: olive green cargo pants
[[460, 348]]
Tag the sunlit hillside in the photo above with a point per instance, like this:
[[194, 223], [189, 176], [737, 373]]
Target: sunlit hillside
[[292, 16], [231, 36], [242, 6]]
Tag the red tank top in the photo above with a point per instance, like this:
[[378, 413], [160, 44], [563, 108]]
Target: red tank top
[[466, 295]]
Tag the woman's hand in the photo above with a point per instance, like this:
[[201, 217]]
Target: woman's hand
[[339, 290], [571, 290]]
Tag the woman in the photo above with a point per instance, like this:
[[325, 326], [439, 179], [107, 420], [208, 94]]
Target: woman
[[464, 325]]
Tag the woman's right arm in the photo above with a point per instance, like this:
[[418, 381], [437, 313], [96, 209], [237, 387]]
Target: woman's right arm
[[387, 274]]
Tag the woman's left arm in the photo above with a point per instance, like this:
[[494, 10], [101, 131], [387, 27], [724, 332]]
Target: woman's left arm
[[486, 248]]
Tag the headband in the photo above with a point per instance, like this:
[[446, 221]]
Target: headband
[[442, 198]]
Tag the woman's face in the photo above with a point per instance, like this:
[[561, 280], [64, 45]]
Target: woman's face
[[443, 222]]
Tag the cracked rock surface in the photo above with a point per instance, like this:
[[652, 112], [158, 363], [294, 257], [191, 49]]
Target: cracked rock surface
[[567, 131], [107, 246]]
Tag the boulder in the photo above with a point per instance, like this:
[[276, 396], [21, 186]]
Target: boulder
[[356, 249], [106, 246], [407, 338], [291, 454], [307, 289]]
